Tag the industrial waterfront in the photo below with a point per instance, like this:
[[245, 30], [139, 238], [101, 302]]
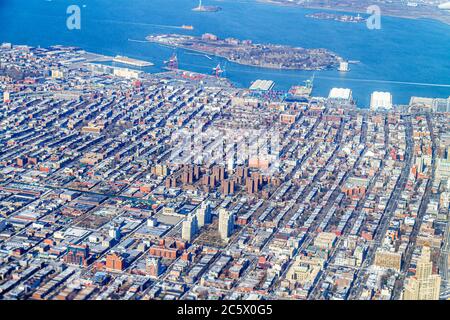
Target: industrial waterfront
[[404, 55]]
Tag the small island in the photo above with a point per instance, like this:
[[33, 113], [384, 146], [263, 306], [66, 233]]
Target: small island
[[246, 52], [336, 17], [202, 8]]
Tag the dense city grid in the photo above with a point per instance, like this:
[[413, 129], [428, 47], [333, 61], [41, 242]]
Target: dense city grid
[[101, 197]]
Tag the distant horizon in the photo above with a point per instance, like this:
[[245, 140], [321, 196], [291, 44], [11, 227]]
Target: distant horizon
[[386, 78]]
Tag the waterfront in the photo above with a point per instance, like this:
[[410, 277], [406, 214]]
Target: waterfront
[[120, 184], [406, 51]]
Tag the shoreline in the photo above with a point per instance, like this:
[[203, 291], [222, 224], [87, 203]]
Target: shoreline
[[442, 19]]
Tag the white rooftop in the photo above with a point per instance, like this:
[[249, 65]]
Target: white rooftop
[[340, 93], [380, 99], [263, 85]]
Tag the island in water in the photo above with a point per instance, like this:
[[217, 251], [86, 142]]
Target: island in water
[[336, 17], [436, 10], [246, 52], [203, 8]]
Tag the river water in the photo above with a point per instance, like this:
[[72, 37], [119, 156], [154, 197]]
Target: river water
[[406, 57]]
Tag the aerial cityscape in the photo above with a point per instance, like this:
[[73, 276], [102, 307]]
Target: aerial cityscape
[[146, 176]]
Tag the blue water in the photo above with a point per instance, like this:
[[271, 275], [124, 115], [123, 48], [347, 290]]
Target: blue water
[[413, 51]]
